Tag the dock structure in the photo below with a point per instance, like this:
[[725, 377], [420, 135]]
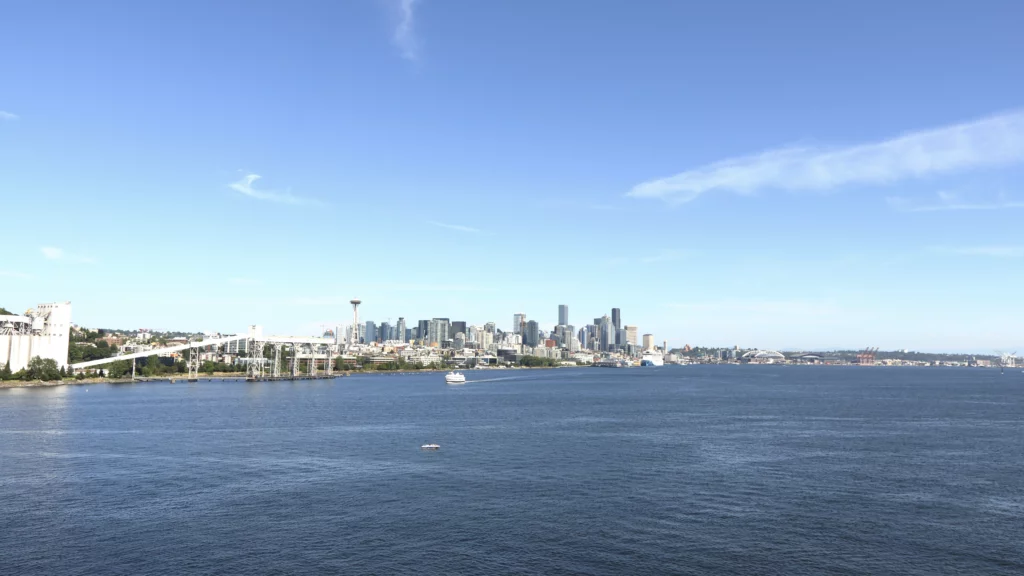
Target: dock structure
[[289, 378]]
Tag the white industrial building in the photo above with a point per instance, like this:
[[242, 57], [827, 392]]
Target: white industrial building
[[43, 331]]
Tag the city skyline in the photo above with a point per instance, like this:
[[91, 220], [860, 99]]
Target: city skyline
[[727, 189], [444, 332]]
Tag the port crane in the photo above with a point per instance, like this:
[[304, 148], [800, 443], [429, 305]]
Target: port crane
[[867, 357]]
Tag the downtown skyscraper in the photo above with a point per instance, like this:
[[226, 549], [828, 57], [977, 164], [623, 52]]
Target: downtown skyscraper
[[563, 314], [617, 325], [518, 321], [531, 334], [607, 334]]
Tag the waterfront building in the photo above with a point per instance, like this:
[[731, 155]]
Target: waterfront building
[[648, 342], [563, 314], [44, 331], [234, 347], [400, 330]]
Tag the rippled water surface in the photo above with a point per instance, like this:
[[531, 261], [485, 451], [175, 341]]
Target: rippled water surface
[[684, 470]]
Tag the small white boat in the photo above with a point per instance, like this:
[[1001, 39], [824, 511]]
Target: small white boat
[[430, 447], [455, 378]]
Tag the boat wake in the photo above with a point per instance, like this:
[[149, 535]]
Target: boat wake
[[498, 379]]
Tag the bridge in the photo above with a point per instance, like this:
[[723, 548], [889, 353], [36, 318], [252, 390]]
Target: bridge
[[265, 355]]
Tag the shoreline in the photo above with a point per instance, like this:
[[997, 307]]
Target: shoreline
[[12, 384], [183, 378]]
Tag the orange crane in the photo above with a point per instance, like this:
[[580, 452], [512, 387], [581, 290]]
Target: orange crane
[[867, 357]]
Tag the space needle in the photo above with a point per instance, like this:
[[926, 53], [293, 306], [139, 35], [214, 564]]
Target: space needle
[[353, 337]]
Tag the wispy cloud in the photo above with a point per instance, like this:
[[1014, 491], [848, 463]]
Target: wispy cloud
[[245, 186], [950, 201], [8, 115], [405, 33], [388, 288], [663, 256], [993, 141], [52, 253], [991, 251], [13, 274], [810, 307], [456, 227]]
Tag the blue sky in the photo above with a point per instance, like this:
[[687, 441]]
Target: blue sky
[[785, 174]]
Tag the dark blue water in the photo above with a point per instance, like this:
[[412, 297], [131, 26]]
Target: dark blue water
[[684, 470]]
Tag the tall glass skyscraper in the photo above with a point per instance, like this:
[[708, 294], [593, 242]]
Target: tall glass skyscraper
[[563, 314], [531, 336], [458, 326], [607, 334], [438, 331]]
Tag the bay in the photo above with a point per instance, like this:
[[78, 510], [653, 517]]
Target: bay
[[670, 470]]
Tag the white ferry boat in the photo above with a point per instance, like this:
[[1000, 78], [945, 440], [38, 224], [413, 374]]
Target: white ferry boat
[[455, 378], [430, 447], [652, 358]]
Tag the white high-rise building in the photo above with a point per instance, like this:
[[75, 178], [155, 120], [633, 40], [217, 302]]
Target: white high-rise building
[[518, 322], [631, 335], [574, 344]]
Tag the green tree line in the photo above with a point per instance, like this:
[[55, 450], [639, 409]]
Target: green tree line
[[38, 369]]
